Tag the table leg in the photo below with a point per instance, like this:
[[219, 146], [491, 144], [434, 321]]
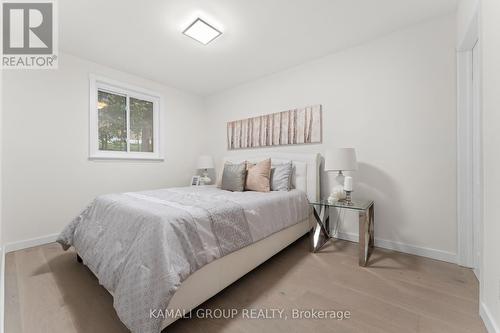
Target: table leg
[[366, 234], [364, 237], [372, 227], [320, 234]]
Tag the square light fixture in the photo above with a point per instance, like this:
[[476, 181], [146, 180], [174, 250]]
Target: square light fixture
[[202, 31]]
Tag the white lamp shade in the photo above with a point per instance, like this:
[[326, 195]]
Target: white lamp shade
[[205, 162], [341, 159]]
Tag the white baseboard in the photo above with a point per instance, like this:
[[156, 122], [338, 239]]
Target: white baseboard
[[24, 244], [383, 243], [489, 321], [406, 248], [2, 289]]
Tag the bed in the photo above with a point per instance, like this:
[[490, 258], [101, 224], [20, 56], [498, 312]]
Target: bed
[[172, 249]]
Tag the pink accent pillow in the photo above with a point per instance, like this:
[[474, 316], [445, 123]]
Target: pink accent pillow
[[259, 176]]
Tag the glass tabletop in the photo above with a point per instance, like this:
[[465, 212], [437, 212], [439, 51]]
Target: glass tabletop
[[357, 204]]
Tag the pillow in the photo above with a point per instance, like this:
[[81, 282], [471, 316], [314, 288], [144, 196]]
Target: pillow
[[281, 177], [220, 170], [233, 177], [258, 176]]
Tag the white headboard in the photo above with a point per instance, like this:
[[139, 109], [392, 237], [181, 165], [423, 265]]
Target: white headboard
[[306, 168]]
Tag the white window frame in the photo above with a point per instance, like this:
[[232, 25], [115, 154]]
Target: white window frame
[[112, 86]]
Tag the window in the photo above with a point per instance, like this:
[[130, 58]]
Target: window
[[124, 121]]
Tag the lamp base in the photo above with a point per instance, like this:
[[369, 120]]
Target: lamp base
[[204, 179], [340, 178]]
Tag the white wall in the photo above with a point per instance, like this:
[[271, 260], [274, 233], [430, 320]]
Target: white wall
[[490, 271], [466, 16], [47, 177], [393, 99], [2, 249]]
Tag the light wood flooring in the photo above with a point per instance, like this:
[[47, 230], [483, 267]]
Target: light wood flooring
[[48, 291]]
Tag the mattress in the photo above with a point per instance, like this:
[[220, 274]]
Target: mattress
[[282, 208], [143, 245]]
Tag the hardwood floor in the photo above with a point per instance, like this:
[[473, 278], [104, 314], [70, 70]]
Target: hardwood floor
[[48, 291]]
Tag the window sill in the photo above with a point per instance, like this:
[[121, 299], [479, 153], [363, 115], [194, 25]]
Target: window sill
[[126, 158]]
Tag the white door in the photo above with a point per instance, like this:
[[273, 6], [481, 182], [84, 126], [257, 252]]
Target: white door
[[476, 161]]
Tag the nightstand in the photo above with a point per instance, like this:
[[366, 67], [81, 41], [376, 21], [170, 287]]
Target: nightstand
[[320, 233]]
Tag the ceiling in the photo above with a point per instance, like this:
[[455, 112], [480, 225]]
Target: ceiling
[[259, 37]]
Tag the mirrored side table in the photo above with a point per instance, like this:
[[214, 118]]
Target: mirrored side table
[[320, 233]]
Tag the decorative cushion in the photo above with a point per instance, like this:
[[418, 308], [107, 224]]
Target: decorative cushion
[[281, 177], [258, 176], [233, 177]]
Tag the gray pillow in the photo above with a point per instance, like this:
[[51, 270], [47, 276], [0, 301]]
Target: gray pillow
[[281, 177], [233, 177]]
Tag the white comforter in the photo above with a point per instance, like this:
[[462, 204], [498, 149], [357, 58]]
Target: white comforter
[[142, 245]]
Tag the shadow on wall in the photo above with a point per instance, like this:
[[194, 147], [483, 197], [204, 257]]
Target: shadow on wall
[[373, 183]]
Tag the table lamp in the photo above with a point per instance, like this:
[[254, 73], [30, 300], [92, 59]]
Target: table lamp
[[340, 160], [204, 163]]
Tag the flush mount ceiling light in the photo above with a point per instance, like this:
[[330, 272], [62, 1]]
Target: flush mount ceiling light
[[202, 31]]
